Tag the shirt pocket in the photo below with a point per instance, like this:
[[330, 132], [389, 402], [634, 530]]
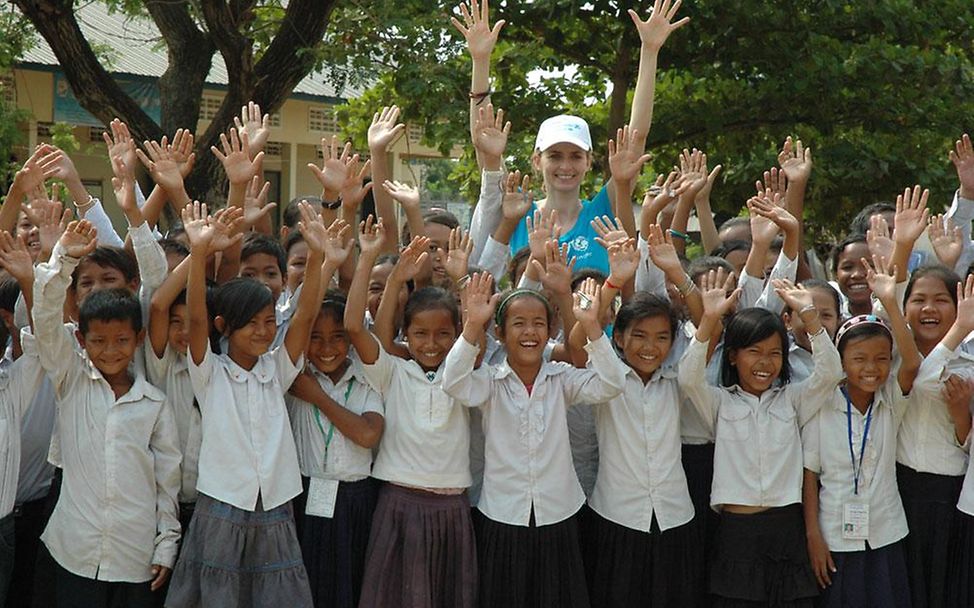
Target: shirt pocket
[[733, 422], [782, 425]]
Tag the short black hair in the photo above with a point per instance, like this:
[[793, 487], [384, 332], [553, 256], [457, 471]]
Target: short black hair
[[173, 246], [443, 218], [587, 273], [860, 223], [9, 292], [522, 255], [643, 305], [110, 257], [863, 330], [261, 243], [430, 298], [826, 287], [238, 300], [746, 327], [850, 239], [705, 264], [292, 213], [333, 305], [110, 305], [293, 238], [730, 246]]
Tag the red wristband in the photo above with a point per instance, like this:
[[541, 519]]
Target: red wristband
[[611, 286]]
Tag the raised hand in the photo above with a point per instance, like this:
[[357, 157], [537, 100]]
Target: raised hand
[[881, 278], [312, 228], [79, 239], [255, 205], [556, 274], [773, 209], [227, 226], [794, 296], [353, 188], [795, 160], [51, 222], [911, 217], [480, 299], [517, 196], [385, 129], [181, 151], [704, 193], [763, 228], [476, 29], [623, 261], [693, 169], [334, 164], [965, 305], [662, 194], [411, 259], [662, 251], [59, 165], [159, 162], [963, 158], [654, 31], [587, 302], [405, 194], [608, 231], [120, 142], [196, 225], [774, 181], [371, 238], [541, 228], [626, 158], [255, 125], [947, 240], [491, 132], [337, 244], [33, 174], [458, 254], [15, 259], [878, 237], [123, 185], [717, 293], [235, 157]]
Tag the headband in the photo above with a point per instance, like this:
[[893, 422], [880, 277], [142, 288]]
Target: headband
[[499, 314], [861, 320]]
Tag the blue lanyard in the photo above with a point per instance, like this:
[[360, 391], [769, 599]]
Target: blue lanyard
[[857, 470], [331, 428]]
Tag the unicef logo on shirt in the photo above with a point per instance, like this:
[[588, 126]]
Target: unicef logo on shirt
[[579, 243]]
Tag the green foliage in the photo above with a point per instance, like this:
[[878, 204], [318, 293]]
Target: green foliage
[[62, 136], [878, 89]]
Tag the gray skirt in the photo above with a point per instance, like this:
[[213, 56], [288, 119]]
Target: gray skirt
[[239, 559]]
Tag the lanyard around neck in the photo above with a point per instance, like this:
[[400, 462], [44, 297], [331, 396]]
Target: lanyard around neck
[[331, 425], [856, 470]]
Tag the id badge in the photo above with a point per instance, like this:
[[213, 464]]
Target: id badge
[[855, 521], [322, 494]]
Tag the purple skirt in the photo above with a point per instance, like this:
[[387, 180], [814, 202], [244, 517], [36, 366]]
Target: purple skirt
[[422, 552]]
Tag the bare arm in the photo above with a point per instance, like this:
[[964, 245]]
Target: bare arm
[[363, 429], [162, 300]]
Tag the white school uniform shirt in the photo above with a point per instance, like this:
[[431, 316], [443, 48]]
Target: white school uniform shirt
[[640, 468], [248, 449], [19, 380], [694, 428], [117, 513], [825, 441], [927, 440], [426, 441], [171, 373], [758, 453], [527, 452], [759, 292], [347, 461]]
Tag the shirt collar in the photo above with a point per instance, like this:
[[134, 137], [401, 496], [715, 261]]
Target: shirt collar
[[352, 372], [263, 370]]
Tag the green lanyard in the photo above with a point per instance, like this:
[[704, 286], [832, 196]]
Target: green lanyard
[[331, 425]]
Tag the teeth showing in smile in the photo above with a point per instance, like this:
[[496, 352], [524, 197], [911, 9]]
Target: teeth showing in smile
[[528, 343], [648, 357], [929, 321], [431, 355], [762, 375], [858, 287]]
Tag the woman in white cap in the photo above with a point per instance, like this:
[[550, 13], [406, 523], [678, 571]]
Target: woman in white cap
[[563, 149]]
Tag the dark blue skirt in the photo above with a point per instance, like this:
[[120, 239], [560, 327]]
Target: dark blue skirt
[[864, 579], [334, 549], [960, 586]]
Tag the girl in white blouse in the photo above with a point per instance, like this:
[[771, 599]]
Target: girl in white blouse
[[759, 554], [853, 514], [529, 549], [421, 550]]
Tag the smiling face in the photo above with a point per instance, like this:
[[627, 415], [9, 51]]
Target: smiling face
[[851, 275], [759, 364], [562, 166], [263, 267], [110, 345], [430, 336], [29, 233], [930, 311], [645, 344], [328, 348], [866, 362], [297, 259], [252, 340], [93, 277], [526, 330]]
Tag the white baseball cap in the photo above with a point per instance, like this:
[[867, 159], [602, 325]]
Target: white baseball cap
[[561, 129]]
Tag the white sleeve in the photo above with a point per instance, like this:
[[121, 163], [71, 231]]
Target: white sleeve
[[649, 277], [961, 212], [784, 268], [811, 393], [166, 458], [691, 374], [608, 379], [494, 258], [487, 214], [751, 290], [100, 220], [469, 386], [54, 342]]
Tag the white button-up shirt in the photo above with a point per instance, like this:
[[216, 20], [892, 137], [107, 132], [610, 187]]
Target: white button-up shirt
[[758, 452], [640, 471], [117, 513], [426, 441], [19, 380], [171, 373], [527, 452], [927, 440], [347, 461], [825, 440], [248, 448]]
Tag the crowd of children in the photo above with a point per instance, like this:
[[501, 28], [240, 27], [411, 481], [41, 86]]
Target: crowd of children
[[554, 408]]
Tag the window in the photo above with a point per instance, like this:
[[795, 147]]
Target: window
[[273, 148], [94, 134], [8, 88], [274, 120], [44, 129], [209, 106], [322, 119], [415, 133]]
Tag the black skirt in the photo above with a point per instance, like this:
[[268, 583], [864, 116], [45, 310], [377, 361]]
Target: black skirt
[[530, 566], [874, 577], [930, 502], [627, 567], [762, 558], [960, 573], [334, 548]]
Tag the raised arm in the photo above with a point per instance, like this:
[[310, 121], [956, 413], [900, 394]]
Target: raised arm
[[882, 279], [237, 163], [15, 259], [29, 177], [410, 261], [371, 242], [705, 215], [626, 160], [910, 221], [795, 161], [309, 302], [383, 133], [693, 169], [200, 233], [160, 304], [408, 198]]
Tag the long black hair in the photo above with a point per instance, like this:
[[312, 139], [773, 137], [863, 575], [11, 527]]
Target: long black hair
[[745, 328]]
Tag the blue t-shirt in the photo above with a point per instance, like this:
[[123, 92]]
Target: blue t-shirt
[[581, 238]]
